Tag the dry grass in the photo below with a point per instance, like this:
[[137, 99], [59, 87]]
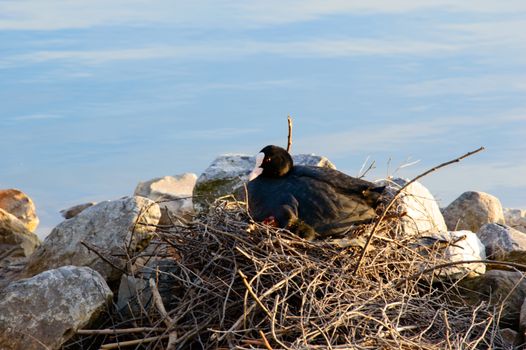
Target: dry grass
[[236, 284]]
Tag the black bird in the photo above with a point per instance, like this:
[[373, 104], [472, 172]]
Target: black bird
[[309, 201]]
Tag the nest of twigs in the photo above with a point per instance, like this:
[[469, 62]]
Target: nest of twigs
[[236, 284]]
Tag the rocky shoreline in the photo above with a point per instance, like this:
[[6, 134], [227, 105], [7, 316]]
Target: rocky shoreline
[[52, 289]]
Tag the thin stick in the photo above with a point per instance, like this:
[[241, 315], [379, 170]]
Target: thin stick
[[253, 294], [37, 340], [132, 342], [158, 301], [246, 197], [273, 324], [168, 321], [118, 331], [94, 250], [265, 341], [253, 341], [361, 175], [448, 329], [289, 137], [8, 252], [391, 202]]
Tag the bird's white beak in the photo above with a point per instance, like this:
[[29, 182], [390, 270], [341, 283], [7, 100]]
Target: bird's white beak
[[257, 168]]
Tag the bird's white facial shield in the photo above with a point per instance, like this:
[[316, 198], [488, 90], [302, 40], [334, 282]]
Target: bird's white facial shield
[[257, 168]]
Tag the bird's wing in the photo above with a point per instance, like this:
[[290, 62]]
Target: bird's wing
[[342, 183]]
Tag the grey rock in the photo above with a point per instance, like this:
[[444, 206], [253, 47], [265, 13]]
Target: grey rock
[[135, 293], [20, 205], [121, 227], [510, 337], [172, 193], [132, 294], [227, 174], [310, 160], [45, 311], [422, 214], [75, 210], [515, 218], [506, 289], [472, 210], [522, 318], [501, 240]]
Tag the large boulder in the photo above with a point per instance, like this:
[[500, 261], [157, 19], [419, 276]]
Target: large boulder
[[506, 289], [501, 240], [20, 205], [451, 247], [114, 228], [172, 193], [515, 218], [75, 210], [421, 212], [472, 210], [44, 311], [227, 174]]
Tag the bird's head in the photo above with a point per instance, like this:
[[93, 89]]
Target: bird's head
[[273, 162]]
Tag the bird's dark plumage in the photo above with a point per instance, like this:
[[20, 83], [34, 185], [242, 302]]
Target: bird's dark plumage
[[310, 201]]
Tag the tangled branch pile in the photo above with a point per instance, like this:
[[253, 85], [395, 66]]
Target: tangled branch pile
[[238, 284]]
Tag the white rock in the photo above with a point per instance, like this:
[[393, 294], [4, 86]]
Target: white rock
[[228, 172], [501, 240], [456, 246], [422, 214], [515, 218], [173, 194], [123, 226], [20, 205], [45, 311], [311, 160], [472, 210], [75, 210]]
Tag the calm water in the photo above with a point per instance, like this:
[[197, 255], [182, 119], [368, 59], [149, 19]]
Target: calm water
[[94, 99]]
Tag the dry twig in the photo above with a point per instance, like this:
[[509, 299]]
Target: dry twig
[[119, 331], [132, 342], [297, 294]]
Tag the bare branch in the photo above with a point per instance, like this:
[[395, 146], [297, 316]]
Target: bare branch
[[123, 344], [289, 137], [119, 331]]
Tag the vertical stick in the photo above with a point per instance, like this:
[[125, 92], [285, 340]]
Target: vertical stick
[[289, 137]]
